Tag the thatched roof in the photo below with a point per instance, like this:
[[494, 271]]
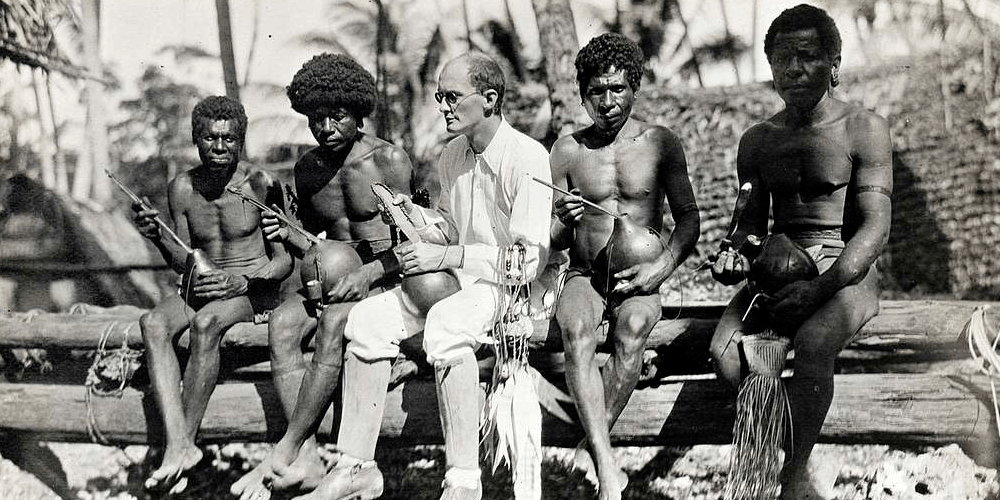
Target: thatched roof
[[27, 34]]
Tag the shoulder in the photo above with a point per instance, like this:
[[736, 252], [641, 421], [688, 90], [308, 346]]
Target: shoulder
[[526, 154], [658, 135], [388, 152], [755, 135], [863, 123], [309, 159]]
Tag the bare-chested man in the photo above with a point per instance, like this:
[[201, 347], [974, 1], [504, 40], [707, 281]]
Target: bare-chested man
[[824, 168], [626, 166], [249, 269], [333, 186]]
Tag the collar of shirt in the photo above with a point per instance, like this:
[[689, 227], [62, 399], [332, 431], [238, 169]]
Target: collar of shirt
[[492, 156]]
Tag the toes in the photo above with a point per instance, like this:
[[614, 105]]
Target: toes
[[179, 486]]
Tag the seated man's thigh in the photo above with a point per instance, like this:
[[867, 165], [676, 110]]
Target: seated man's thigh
[[827, 331], [377, 324], [580, 308], [460, 320], [229, 311]]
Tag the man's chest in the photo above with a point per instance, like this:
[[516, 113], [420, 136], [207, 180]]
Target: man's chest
[[226, 217], [804, 161], [626, 172]]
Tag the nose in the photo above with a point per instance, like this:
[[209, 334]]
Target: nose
[[326, 124], [607, 100], [794, 67], [217, 144], [443, 106]]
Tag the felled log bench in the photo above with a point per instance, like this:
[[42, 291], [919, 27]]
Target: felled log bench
[[673, 409]]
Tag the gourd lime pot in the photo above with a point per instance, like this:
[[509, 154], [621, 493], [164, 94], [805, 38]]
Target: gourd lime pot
[[197, 263], [780, 262], [628, 245], [426, 289], [327, 261]]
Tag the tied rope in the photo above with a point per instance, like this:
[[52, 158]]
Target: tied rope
[[108, 375], [512, 419], [978, 332]]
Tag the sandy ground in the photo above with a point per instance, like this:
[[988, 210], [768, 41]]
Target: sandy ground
[[692, 473]]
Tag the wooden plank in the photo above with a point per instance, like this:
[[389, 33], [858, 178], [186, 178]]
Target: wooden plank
[[867, 408], [920, 325]]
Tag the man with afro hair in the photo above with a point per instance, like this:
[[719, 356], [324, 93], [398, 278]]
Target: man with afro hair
[[333, 187], [244, 281], [626, 166], [822, 168]]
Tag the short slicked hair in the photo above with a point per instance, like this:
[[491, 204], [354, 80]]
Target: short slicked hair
[[332, 81], [607, 50], [218, 107], [804, 17], [485, 74]]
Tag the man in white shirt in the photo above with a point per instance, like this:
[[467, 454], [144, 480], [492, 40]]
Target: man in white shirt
[[488, 201]]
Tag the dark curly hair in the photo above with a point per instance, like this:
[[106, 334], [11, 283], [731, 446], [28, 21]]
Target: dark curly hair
[[804, 17], [333, 80], [218, 107], [607, 50]]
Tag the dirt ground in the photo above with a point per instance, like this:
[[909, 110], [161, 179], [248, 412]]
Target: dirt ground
[[94, 472]]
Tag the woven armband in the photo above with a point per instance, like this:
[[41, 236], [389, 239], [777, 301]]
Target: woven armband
[[874, 189]]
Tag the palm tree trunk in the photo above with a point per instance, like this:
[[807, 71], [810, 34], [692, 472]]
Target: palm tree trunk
[[468, 24], [945, 91], [557, 33], [46, 151], [62, 178], [87, 183], [226, 49], [253, 42], [753, 41], [685, 38], [734, 57], [383, 126]]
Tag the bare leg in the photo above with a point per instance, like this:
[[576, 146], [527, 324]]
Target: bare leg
[[364, 404], [290, 322], [577, 314], [810, 390], [159, 328], [202, 371], [314, 398], [725, 346]]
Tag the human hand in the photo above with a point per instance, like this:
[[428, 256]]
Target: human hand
[[274, 229], [145, 220], [569, 208], [405, 203], [216, 284], [642, 279], [420, 257], [795, 303], [730, 266], [352, 287]]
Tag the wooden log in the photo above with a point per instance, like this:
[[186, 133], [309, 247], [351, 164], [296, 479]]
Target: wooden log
[[867, 408], [920, 325]]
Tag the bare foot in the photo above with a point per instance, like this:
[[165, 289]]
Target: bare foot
[[815, 484], [583, 462], [302, 469], [351, 478], [171, 475]]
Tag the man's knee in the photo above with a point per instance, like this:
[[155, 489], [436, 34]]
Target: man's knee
[[330, 332], [283, 327], [366, 343], [725, 353], [155, 327], [206, 330]]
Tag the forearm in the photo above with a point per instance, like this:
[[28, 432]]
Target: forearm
[[561, 235], [684, 238], [173, 254], [859, 253]]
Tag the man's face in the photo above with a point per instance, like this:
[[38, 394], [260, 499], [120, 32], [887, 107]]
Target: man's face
[[219, 143], [333, 128], [608, 99], [801, 68], [460, 103]]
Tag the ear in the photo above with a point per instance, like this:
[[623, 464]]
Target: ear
[[490, 101]]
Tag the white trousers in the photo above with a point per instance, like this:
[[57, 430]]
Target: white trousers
[[453, 326]]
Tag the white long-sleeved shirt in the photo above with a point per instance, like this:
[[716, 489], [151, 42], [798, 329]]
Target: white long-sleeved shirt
[[489, 200]]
